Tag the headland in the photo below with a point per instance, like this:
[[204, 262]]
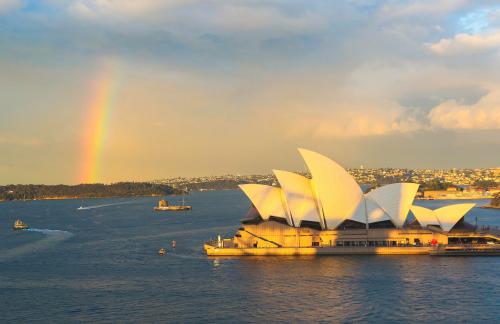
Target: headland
[[84, 191]]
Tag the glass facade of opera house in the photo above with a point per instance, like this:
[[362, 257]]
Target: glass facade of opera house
[[329, 213]]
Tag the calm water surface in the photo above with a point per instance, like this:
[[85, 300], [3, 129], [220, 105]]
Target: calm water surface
[[101, 265]]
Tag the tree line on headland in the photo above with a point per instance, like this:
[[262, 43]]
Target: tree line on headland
[[97, 190], [495, 202]]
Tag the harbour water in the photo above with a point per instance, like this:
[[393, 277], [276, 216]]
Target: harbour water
[[102, 265]]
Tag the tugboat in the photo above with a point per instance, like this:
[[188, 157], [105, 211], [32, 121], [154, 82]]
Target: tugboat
[[20, 225], [163, 206]]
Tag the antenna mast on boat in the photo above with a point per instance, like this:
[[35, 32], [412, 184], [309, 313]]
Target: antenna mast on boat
[[183, 196]]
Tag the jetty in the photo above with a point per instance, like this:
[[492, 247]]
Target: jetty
[[467, 250]]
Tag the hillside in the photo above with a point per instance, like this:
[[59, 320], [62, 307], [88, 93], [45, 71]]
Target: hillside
[[495, 202], [98, 190]]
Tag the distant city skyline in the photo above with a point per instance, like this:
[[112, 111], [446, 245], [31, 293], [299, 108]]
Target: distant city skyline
[[107, 91], [362, 176]]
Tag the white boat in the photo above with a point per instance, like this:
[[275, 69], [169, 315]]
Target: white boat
[[81, 207]]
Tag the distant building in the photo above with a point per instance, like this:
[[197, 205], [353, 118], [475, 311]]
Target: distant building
[[453, 192]]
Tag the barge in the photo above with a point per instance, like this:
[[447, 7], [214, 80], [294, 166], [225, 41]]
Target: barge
[[164, 206], [467, 250]]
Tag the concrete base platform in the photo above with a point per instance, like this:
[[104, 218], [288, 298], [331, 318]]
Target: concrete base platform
[[273, 251], [467, 251]]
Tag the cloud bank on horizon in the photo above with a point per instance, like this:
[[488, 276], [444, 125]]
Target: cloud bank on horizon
[[206, 79]]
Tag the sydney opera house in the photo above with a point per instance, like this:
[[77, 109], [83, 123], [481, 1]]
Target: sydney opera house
[[330, 214]]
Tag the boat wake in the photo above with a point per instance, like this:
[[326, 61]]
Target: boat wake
[[171, 253], [51, 232], [51, 238], [104, 205]]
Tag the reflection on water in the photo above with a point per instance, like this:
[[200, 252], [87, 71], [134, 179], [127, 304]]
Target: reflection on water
[[382, 288], [108, 269]]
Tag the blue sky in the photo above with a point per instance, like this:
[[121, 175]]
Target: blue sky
[[236, 86]]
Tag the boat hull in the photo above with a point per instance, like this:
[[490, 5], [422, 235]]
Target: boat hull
[[173, 208]]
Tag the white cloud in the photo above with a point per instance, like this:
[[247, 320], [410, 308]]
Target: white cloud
[[450, 114], [378, 79], [9, 5], [106, 8], [242, 18], [423, 8], [485, 114], [358, 121], [467, 44], [368, 123], [370, 120], [81, 9], [357, 125], [199, 16]]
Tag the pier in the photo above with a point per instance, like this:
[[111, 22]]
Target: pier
[[467, 250]]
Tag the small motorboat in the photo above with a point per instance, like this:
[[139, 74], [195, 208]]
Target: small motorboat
[[20, 225], [81, 207], [162, 251]]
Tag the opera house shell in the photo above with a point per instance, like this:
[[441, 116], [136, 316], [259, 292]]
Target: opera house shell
[[330, 210]]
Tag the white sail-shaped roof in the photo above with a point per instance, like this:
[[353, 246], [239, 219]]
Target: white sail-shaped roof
[[332, 196], [359, 214], [369, 211], [424, 216], [337, 192], [396, 199], [300, 202], [267, 199], [450, 215], [446, 217], [375, 212]]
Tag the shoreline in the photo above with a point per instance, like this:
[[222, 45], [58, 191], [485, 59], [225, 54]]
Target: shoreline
[[457, 198], [490, 207], [75, 197], [445, 250]]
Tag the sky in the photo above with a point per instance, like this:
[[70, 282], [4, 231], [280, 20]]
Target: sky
[[117, 90]]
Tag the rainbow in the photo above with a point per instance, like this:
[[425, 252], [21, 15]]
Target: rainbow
[[103, 89]]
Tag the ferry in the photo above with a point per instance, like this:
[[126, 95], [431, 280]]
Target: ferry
[[164, 206], [20, 225]]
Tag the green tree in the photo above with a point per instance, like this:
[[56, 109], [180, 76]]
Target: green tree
[[496, 200]]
